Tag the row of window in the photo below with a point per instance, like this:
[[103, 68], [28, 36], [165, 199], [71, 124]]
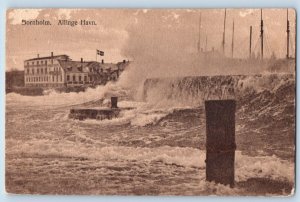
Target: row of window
[[80, 78], [44, 79], [42, 62], [45, 84], [42, 70]]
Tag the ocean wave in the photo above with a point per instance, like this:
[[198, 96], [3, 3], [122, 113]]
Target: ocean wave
[[246, 167]]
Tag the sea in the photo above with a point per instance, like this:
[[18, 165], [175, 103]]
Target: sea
[[156, 148]]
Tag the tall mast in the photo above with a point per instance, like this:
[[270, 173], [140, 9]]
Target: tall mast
[[261, 36], [199, 35], [223, 42], [287, 34], [250, 45], [232, 43], [295, 36]]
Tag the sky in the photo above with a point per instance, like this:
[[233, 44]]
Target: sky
[[158, 36]]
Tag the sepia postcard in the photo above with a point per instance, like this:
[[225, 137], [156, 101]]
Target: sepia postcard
[[150, 102]]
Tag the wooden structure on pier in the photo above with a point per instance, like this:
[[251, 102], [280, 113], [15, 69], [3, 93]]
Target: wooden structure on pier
[[220, 141]]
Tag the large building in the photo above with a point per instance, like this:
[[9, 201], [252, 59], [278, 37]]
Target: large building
[[61, 71]]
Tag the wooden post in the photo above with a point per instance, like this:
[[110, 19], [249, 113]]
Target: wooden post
[[220, 141], [114, 102]]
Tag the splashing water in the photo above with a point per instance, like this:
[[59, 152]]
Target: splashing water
[[156, 148]]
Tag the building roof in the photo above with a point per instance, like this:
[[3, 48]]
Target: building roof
[[75, 66], [48, 57], [108, 65], [86, 66]]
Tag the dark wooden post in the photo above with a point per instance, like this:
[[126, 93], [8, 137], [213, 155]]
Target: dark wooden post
[[114, 102], [220, 141]]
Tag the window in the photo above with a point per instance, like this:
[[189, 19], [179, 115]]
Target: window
[[85, 78], [74, 78], [28, 71], [32, 63], [32, 71], [46, 70], [27, 63], [68, 77], [37, 62], [42, 71], [52, 78], [38, 71], [46, 62], [79, 78], [42, 62]]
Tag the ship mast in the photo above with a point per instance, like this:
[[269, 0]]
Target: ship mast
[[295, 37], [261, 36], [287, 34], [223, 42], [199, 34], [250, 45], [232, 43]]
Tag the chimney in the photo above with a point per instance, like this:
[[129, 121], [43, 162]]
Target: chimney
[[114, 102], [102, 61], [124, 61], [81, 61], [38, 55], [52, 54]]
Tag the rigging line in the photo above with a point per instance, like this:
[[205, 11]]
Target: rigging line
[[268, 47], [241, 47], [256, 45], [292, 43]]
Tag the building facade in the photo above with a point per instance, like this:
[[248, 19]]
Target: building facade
[[44, 71], [60, 71]]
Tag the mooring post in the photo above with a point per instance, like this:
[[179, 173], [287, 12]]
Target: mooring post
[[220, 141], [114, 102]]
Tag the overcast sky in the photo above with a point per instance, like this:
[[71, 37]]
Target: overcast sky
[[130, 33]]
